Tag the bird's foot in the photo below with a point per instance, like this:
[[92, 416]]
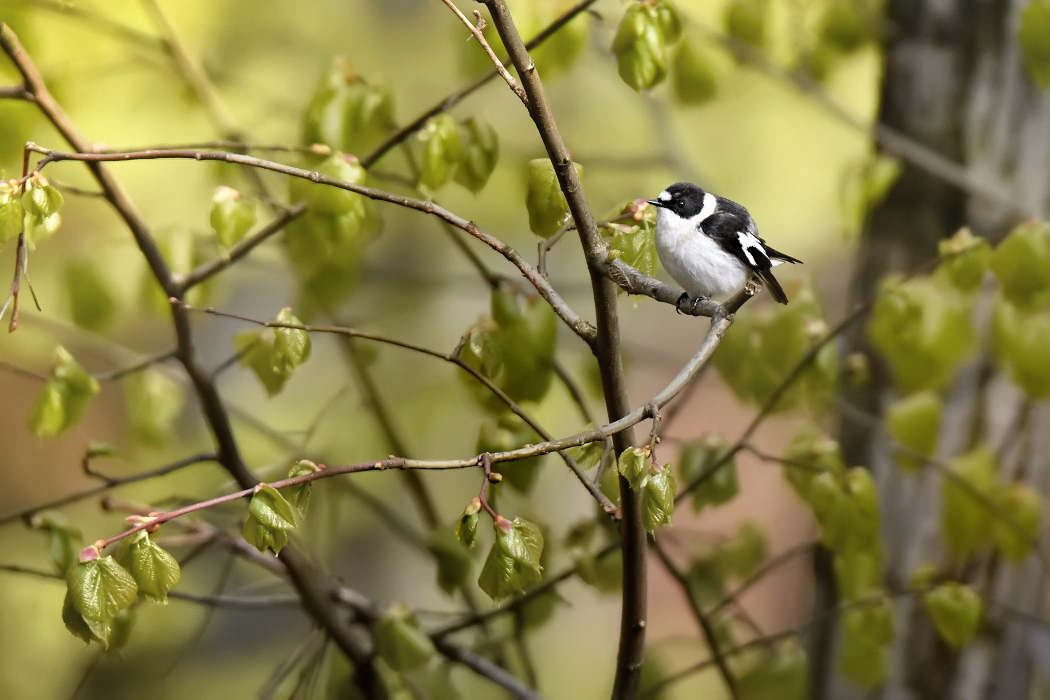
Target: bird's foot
[[751, 288], [690, 302]]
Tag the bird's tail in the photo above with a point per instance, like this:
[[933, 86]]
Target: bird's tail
[[770, 283], [777, 257]]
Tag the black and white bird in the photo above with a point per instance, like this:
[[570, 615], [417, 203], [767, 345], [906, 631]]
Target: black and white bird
[[710, 245]]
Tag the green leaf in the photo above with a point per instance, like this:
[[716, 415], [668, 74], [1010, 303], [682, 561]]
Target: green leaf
[[453, 561], [746, 20], [966, 522], [743, 553], [81, 628], [811, 454], [483, 352], [526, 335], [1021, 339], [442, 150], [154, 402], [782, 674], [1021, 262], [588, 456], [1034, 37], [64, 398], [347, 113], [231, 216], [1023, 505], [399, 640], [923, 330], [956, 611], [668, 19], [155, 571], [658, 493], [91, 302], [480, 154], [634, 244], [270, 517], [12, 216], [299, 494], [694, 72], [509, 432], [63, 538], [544, 199], [847, 25], [633, 465], [965, 257], [698, 458], [274, 353], [40, 203], [640, 48], [866, 634], [514, 560], [863, 185], [858, 573], [467, 525], [914, 421], [100, 588]]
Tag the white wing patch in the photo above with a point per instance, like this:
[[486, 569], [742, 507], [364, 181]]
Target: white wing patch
[[749, 243]]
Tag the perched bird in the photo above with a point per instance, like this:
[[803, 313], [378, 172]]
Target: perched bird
[[710, 245]]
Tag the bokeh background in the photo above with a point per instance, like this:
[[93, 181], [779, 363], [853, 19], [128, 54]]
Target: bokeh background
[[759, 141]]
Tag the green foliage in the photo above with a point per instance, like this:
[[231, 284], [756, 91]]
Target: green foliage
[[63, 538], [923, 330], [442, 149], [863, 186], [781, 673], [858, 573], [453, 561], [1021, 339], [553, 57], [480, 153], [12, 216], [155, 571], [326, 244], [632, 242], [913, 421], [509, 432], [513, 561], [966, 521], [603, 573], [657, 497], [699, 457], [1021, 262], [231, 216], [811, 454], [91, 302], [956, 611], [40, 203], [347, 113], [747, 20], [544, 199], [399, 640], [467, 525], [154, 401], [768, 343], [633, 465], [1017, 529], [641, 43], [270, 518], [847, 25], [866, 634], [742, 554], [695, 71], [847, 510], [97, 590], [1034, 37], [965, 257], [299, 494], [64, 398], [273, 354]]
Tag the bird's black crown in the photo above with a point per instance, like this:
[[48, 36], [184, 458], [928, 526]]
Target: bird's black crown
[[683, 198]]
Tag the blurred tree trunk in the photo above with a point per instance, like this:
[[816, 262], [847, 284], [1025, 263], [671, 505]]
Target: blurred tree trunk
[[953, 79]]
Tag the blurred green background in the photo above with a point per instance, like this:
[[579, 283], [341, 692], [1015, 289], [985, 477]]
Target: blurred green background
[[759, 142]]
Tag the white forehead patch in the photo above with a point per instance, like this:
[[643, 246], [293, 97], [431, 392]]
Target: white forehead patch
[[665, 196], [708, 208]]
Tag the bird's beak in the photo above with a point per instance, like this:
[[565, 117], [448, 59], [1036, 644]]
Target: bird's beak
[[655, 202]]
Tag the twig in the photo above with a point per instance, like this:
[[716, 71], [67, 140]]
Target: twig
[[476, 31]]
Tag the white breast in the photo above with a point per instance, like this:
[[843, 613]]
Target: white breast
[[697, 263]]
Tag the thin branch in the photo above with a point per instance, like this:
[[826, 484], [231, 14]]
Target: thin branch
[[477, 33]]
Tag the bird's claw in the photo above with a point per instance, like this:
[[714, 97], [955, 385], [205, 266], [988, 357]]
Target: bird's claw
[[695, 302], [751, 288]]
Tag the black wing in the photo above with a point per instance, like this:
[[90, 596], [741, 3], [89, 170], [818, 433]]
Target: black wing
[[736, 233]]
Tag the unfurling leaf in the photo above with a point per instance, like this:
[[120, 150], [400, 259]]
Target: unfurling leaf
[[154, 401], [914, 422], [966, 521], [63, 538], [658, 492], [698, 460], [544, 199], [483, 352], [299, 494], [453, 561], [858, 573], [1021, 339], [641, 48], [231, 215], [442, 149], [399, 640], [467, 525], [64, 398], [91, 301], [480, 154], [155, 571], [274, 353], [1021, 262], [845, 26], [694, 72], [867, 631], [514, 560], [270, 517], [742, 553], [782, 674], [12, 216], [40, 203], [965, 257], [526, 333], [347, 113], [956, 611], [633, 465], [1023, 506], [746, 20], [99, 588]]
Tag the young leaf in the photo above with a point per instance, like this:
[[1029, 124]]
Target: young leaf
[[12, 216], [82, 628], [1021, 339], [467, 525], [514, 560], [668, 19], [64, 397], [270, 517], [700, 457], [1034, 37], [526, 334], [453, 561], [399, 640], [965, 259], [63, 538], [956, 612], [299, 494], [480, 154], [231, 216], [866, 634], [1021, 262], [347, 113], [640, 48], [1023, 505], [99, 588], [155, 571], [694, 73], [913, 422], [743, 553], [41, 203], [783, 674], [509, 432], [154, 401], [746, 20], [658, 494], [544, 199], [274, 353], [91, 302], [845, 27], [966, 522], [442, 150], [858, 573], [633, 465]]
